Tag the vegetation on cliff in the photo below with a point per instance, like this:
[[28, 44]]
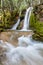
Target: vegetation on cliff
[[10, 10], [36, 22]]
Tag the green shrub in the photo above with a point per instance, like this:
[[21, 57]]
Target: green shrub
[[37, 27]]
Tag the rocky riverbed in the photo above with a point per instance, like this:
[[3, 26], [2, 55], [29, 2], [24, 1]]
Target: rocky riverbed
[[12, 36]]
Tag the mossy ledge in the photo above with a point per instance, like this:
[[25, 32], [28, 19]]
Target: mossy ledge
[[36, 23]]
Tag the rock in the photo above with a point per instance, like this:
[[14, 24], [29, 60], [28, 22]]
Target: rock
[[38, 37]]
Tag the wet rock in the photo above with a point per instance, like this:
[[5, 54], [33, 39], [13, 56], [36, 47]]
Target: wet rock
[[38, 37]]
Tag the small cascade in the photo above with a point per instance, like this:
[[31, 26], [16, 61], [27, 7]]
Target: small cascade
[[27, 18], [16, 25], [27, 52], [22, 41]]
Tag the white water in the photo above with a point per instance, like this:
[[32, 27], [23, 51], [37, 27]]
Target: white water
[[16, 25], [27, 19], [29, 54], [28, 51]]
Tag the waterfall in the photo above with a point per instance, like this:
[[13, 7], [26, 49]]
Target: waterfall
[[16, 25], [27, 18], [27, 52]]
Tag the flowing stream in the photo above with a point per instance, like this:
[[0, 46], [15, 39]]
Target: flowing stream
[[16, 25], [28, 51]]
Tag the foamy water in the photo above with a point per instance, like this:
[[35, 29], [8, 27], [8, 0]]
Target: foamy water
[[28, 51], [31, 53], [27, 19], [16, 25]]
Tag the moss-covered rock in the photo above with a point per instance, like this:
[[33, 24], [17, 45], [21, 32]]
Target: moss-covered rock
[[36, 23], [38, 37]]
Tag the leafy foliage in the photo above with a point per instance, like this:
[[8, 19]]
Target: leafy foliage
[[11, 10], [37, 27]]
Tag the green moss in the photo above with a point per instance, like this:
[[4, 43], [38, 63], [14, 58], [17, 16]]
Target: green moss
[[37, 27], [8, 19]]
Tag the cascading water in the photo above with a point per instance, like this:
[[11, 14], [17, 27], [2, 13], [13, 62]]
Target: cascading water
[[16, 25], [29, 54], [27, 19], [28, 51]]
